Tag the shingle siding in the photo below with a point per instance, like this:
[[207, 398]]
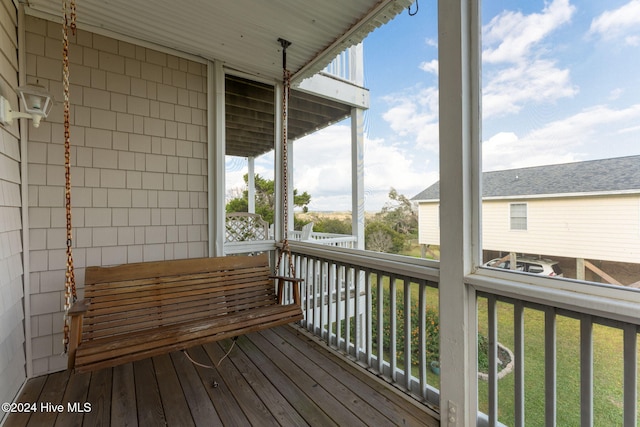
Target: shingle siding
[[128, 174]]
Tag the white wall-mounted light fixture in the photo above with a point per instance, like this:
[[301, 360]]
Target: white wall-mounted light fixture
[[37, 103]]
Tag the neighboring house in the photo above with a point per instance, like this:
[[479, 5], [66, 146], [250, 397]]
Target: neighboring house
[[582, 210]]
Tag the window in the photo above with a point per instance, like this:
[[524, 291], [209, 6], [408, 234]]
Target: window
[[518, 216]]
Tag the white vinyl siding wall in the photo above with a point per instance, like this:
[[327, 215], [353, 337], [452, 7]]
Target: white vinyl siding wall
[[429, 224], [12, 355], [601, 227]]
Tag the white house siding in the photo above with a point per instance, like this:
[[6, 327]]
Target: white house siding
[[598, 228], [429, 223], [139, 167], [12, 356]]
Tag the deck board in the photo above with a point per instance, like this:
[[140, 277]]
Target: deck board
[[170, 392], [99, 396], [278, 377], [52, 393], [76, 391], [148, 400], [200, 405], [123, 397], [30, 394], [240, 389]]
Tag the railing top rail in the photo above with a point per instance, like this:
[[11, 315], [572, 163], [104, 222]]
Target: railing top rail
[[564, 294], [394, 264], [319, 235]]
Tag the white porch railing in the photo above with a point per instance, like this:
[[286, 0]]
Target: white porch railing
[[345, 65], [354, 301], [248, 232], [578, 326], [328, 239]]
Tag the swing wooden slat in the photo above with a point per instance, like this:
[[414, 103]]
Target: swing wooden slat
[[145, 309]]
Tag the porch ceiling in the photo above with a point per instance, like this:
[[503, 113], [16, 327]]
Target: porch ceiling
[[250, 116], [243, 34]]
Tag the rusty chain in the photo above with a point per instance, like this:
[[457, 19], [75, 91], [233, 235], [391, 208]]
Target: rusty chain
[[70, 295], [286, 83]]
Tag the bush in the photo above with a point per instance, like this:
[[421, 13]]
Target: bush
[[432, 332], [380, 237]]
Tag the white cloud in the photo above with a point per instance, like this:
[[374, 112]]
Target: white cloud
[[322, 167], [597, 132], [431, 42], [506, 150], [511, 36], [430, 66], [516, 72], [415, 114], [622, 23], [510, 89], [615, 94], [391, 166]]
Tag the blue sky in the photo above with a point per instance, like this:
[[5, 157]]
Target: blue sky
[[560, 84]]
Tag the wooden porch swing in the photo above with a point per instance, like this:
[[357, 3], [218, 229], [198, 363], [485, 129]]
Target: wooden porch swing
[[134, 311]]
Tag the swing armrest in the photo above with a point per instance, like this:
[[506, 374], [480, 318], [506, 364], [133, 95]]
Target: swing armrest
[[76, 313], [295, 282], [79, 307]]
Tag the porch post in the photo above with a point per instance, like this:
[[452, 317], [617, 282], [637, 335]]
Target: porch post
[[277, 150], [251, 183], [216, 152], [459, 83], [357, 176]]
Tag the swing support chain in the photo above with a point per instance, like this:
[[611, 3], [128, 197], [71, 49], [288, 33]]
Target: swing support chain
[[70, 294], [286, 90]]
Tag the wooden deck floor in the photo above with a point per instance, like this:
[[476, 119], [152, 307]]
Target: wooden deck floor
[[276, 377]]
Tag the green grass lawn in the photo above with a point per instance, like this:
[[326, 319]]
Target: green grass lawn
[[608, 367], [608, 370]]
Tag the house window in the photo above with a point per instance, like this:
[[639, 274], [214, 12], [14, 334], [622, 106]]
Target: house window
[[518, 216]]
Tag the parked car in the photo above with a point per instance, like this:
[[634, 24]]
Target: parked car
[[543, 266]]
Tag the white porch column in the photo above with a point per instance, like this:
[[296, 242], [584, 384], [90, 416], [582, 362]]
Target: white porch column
[[277, 158], [357, 176], [459, 83], [216, 152], [356, 71], [251, 183]]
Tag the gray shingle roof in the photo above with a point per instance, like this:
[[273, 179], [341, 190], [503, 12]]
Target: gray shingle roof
[[594, 176]]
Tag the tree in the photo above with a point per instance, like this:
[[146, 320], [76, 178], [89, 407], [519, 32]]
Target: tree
[[392, 227], [333, 225], [380, 237], [265, 199], [400, 214]]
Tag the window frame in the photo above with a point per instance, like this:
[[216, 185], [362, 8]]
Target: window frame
[[512, 226]]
